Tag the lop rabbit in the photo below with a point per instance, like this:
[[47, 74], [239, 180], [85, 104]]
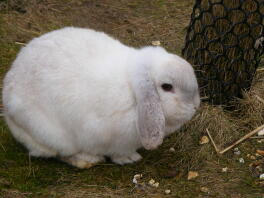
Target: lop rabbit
[[80, 95]]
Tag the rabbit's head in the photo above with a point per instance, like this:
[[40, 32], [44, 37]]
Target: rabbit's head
[[166, 92]]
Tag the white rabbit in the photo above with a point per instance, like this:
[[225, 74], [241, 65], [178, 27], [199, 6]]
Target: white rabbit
[[79, 95]]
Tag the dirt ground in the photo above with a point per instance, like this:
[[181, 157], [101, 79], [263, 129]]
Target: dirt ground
[[136, 23]]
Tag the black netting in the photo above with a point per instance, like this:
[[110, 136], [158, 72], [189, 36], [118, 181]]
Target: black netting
[[224, 43]]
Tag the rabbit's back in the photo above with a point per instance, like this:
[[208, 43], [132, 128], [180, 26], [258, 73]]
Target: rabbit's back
[[73, 74]]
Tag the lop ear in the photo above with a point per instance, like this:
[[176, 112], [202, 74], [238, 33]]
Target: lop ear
[[150, 120]]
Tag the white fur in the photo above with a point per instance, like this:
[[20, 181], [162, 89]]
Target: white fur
[[70, 92]]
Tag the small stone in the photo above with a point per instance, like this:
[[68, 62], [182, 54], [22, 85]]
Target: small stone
[[204, 189], [261, 132], [241, 160], [261, 176], [172, 149], [151, 182], [155, 43], [167, 191], [134, 181], [204, 140], [224, 170], [252, 157], [136, 177], [237, 151], [192, 175], [156, 185]]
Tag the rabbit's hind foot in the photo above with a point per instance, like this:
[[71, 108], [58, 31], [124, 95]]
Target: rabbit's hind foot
[[126, 159], [82, 160]]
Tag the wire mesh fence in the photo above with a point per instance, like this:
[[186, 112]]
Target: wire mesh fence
[[224, 43]]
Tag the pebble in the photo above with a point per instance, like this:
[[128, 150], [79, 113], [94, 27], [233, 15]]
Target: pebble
[[167, 191], [237, 151], [136, 177], [224, 170], [153, 183], [252, 157], [134, 181], [241, 160], [172, 149], [261, 176], [156, 185]]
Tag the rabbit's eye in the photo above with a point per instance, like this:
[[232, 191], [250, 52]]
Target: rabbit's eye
[[167, 87]]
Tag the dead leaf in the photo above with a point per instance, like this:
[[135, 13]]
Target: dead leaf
[[192, 175], [204, 189], [260, 152], [155, 43], [204, 140]]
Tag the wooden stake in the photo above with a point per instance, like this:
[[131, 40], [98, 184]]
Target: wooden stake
[[216, 149], [242, 139]]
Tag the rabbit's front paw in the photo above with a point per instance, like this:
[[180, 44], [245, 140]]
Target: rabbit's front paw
[[82, 160], [134, 157]]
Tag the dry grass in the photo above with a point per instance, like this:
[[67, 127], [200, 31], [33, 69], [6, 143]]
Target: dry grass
[[136, 23]]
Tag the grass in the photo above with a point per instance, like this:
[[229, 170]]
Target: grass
[[136, 23]]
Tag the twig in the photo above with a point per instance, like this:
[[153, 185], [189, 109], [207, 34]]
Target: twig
[[216, 149], [19, 43], [257, 137], [242, 139]]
